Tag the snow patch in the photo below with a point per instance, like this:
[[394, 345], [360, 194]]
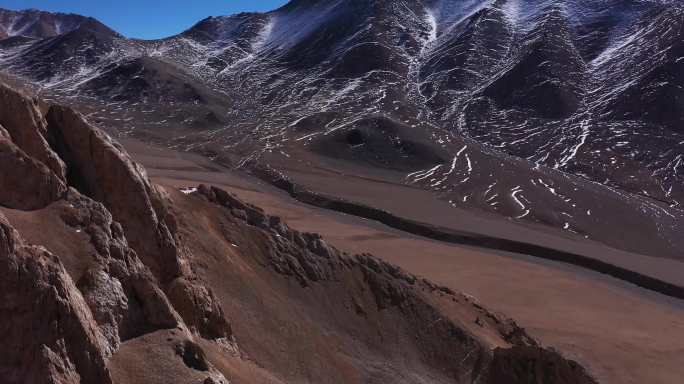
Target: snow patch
[[188, 190]]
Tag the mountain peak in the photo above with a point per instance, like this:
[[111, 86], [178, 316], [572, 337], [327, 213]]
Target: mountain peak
[[37, 24]]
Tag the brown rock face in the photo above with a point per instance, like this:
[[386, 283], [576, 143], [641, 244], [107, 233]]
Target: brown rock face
[[112, 296], [199, 308], [148, 276], [21, 117], [103, 171], [48, 333], [25, 183], [525, 365], [381, 306], [121, 292]]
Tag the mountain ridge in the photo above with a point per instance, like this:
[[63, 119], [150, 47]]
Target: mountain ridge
[[492, 77], [139, 282]]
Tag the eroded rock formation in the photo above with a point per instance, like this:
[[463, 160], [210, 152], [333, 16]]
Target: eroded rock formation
[[26, 182], [48, 331], [139, 284]]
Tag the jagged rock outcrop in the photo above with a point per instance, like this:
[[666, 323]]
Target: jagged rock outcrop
[[26, 183], [291, 253], [48, 333], [32, 175], [136, 288], [103, 171], [199, 308], [383, 291], [120, 290], [115, 295], [21, 117], [75, 153]]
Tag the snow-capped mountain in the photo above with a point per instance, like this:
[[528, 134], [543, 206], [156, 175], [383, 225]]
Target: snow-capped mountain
[[33, 23], [568, 113]]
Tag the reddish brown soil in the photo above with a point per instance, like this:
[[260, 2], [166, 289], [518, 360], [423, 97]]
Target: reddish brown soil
[[622, 333], [139, 282]]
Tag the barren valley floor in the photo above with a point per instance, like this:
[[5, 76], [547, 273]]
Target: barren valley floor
[[622, 333]]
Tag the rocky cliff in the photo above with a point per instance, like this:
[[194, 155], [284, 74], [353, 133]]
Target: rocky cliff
[[108, 278]]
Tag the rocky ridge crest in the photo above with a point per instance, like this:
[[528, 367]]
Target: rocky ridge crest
[[133, 271]]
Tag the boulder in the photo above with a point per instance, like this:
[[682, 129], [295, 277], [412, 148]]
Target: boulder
[[199, 308]]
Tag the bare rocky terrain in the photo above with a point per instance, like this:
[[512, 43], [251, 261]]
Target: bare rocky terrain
[[564, 307], [563, 114], [497, 157], [113, 279]]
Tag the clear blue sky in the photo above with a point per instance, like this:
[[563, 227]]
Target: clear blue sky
[[147, 19]]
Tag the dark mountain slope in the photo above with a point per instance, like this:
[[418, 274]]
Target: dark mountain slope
[[486, 98], [37, 24], [548, 76], [69, 54]]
